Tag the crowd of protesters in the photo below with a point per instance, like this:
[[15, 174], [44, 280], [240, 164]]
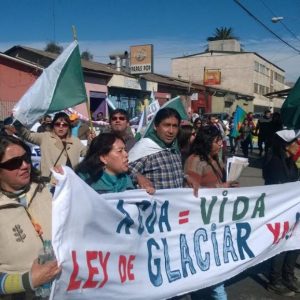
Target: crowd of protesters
[[172, 154]]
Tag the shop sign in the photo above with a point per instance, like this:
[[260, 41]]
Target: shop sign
[[141, 59]]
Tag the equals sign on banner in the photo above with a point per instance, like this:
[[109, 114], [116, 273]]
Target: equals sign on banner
[[183, 216]]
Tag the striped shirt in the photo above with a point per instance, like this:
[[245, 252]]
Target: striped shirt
[[14, 283]]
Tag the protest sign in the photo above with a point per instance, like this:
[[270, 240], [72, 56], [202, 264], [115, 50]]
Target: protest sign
[[35, 155], [132, 245]]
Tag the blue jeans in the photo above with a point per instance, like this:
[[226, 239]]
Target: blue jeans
[[215, 292]]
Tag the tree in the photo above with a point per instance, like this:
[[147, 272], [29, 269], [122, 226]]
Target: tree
[[222, 33], [54, 48], [86, 55]]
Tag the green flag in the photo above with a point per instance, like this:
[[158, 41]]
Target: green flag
[[290, 110], [239, 117], [60, 86]]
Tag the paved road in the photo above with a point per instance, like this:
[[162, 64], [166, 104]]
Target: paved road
[[251, 284]]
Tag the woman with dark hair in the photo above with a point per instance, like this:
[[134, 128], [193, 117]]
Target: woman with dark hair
[[105, 165], [58, 147], [25, 221], [204, 165], [203, 162], [279, 167]]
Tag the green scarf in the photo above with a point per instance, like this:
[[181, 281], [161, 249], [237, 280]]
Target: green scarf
[[110, 183], [151, 134]]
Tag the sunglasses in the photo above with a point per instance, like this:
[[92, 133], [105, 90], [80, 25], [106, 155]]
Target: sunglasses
[[64, 125], [15, 163], [118, 118]]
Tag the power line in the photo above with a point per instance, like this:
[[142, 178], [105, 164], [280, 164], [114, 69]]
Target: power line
[[53, 17], [265, 26]]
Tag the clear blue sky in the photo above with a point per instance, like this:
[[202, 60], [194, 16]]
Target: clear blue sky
[[174, 27]]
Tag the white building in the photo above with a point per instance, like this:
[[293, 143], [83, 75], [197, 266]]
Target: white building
[[225, 66]]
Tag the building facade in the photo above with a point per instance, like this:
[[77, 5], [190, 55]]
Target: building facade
[[225, 66], [15, 78], [105, 84]]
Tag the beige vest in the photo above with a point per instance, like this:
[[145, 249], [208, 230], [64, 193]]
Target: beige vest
[[20, 243]]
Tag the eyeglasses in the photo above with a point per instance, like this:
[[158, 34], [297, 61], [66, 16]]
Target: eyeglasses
[[118, 118], [15, 163], [64, 125]]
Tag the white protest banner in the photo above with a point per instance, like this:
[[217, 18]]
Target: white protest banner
[[35, 155], [135, 246], [152, 109]]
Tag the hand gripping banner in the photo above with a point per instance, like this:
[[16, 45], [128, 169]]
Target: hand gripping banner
[[135, 246]]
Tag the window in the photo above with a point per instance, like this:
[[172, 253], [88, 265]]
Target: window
[[261, 68], [261, 89], [278, 77]]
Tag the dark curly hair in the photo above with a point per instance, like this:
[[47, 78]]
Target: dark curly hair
[[91, 165], [204, 140]]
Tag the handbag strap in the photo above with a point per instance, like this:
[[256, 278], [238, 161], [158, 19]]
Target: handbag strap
[[59, 156]]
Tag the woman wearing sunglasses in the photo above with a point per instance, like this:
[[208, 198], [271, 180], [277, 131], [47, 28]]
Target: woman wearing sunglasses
[[25, 221], [58, 147]]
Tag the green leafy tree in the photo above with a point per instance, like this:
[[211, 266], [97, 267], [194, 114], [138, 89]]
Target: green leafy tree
[[54, 48], [86, 55]]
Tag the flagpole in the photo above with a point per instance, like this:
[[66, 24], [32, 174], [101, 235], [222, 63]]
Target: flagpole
[[88, 104]]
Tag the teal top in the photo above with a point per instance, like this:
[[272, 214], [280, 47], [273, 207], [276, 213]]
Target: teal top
[[110, 183], [75, 129]]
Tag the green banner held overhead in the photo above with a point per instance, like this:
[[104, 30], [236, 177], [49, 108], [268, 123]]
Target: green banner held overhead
[[290, 110], [60, 86]]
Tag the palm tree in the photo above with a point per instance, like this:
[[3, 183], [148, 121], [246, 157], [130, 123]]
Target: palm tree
[[222, 33]]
